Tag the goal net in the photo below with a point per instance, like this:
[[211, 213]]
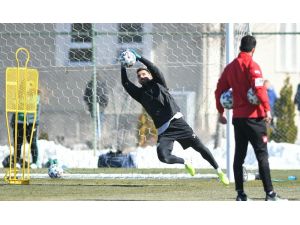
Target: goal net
[[83, 104]]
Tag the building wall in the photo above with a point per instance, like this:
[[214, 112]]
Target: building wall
[[64, 114], [191, 56]]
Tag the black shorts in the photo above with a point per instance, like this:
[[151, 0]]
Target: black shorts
[[179, 131]]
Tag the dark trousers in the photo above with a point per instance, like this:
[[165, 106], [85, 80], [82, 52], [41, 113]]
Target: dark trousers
[[20, 132], [181, 132], [251, 130]]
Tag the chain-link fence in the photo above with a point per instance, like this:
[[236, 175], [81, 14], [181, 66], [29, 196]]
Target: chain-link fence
[[70, 57]]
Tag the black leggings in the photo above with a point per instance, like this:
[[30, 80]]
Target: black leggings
[[34, 148], [181, 132], [253, 130]]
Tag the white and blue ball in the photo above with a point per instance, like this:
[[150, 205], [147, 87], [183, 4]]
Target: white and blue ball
[[226, 99], [127, 58], [55, 171], [252, 98]]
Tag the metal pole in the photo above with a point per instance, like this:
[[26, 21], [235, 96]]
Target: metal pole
[[229, 128], [94, 90], [249, 29]]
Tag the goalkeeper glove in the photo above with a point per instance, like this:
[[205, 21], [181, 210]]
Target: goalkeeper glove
[[137, 56], [121, 59]]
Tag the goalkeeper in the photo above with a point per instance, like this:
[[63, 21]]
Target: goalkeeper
[[161, 106]]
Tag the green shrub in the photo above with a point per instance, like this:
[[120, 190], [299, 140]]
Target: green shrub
[[44, 135], [147, 133], [285, 129]]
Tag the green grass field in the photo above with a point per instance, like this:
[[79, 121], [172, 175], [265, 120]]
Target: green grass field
[[142, 189]]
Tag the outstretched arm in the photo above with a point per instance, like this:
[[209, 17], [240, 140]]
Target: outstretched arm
[[156, 73], [131, 89]]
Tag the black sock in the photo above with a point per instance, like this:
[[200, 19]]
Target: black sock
[[241, 192]]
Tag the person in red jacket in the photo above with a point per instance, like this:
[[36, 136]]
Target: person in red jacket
[[249, 120]]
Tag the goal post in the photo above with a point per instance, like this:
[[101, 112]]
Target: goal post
[[230, 45], [234, 33]]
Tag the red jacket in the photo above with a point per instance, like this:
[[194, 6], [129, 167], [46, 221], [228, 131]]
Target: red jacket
[[241, 74]]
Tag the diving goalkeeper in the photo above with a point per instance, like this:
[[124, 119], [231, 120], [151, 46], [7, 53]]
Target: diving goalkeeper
[[154, 96]]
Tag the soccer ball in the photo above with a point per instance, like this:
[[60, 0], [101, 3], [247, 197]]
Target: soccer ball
[[55, 171], [226, 99], [127, 58], [252, 98]]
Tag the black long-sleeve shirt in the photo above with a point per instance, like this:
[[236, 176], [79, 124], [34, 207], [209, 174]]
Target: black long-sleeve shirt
[[154, 96]]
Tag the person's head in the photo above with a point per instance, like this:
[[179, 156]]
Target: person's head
[[143, 75], [267, 84], [248, 44]]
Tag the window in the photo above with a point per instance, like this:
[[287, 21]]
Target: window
[[129, 33], [81, 43], [81, 32], [81, 55], [76, 44]]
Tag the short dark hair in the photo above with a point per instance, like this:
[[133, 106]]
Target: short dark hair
[[248, 42], [142, 68]]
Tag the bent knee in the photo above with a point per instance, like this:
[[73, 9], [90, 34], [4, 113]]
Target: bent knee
[[163, 158]]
